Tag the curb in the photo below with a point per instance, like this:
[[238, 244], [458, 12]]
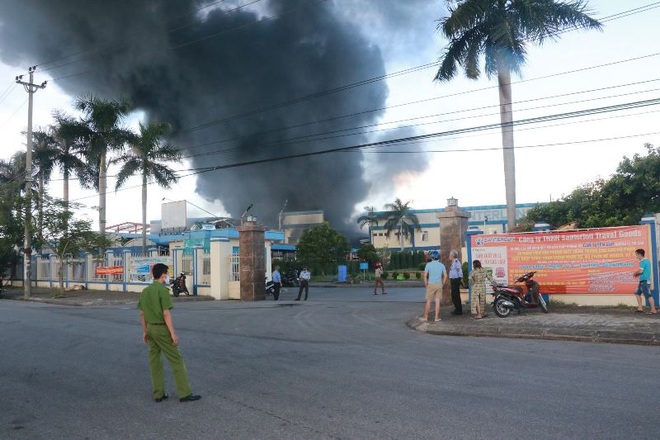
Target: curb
[[524, 332]]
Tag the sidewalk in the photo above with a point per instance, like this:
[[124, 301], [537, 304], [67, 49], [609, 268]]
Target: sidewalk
[[563, 322]]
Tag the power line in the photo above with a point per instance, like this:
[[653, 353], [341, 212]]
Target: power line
[[326, 92], [346, 131], [398, 141], [14, 113], [519, 147]]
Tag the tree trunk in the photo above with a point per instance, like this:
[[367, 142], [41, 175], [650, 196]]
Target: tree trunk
[[103, 183], [144, 214], [40, 213], [506, 118], [65, 188], [60, 273]]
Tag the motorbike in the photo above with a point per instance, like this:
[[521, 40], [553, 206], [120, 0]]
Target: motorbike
[[509, 298], [179, 285], [290, 278], [270, 287]]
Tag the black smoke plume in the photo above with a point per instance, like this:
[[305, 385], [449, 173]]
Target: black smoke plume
[[238, 84]]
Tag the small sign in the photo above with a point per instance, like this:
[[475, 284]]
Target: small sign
[[364, 265]]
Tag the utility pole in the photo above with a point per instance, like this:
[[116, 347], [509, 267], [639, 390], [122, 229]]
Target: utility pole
[[31, 89]]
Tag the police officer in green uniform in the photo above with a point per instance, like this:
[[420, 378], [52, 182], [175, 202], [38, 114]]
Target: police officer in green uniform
[[158, 333]]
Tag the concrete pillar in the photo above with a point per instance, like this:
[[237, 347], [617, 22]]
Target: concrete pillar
[[220, 267], [453, 226], [197, 267], [253, 261]]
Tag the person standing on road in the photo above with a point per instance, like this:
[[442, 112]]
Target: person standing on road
[[435, 276], [159, 335], [304, 278], [644, 274], [378, 274], [277, 283], [478, 278], [455, 277]]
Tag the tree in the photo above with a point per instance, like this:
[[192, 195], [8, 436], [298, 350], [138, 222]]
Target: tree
[[368, 253], [69, 149], [370, 218], [501, 30], [101, 131], [11, 211], [623, 199], [320, 245], [145, 158], [399, 216], [65, 235], [43, 155]]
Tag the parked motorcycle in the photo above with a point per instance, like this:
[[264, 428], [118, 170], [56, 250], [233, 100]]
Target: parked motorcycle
[[270, 287], [290, 278], [179, 285], [509, 298]]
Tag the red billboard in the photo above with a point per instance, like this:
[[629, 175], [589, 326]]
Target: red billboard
[[593, 261], [109, 270]]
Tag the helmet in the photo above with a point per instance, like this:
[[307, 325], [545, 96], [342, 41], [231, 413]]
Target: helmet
[[434, 255]]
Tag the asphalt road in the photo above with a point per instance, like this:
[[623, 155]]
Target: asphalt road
[[342, 365]]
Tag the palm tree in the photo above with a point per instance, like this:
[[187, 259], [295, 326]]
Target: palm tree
[[501, 29], [101, 132], [44, 156], [65, 133], [145, 158], [398, 216], [369, 219]]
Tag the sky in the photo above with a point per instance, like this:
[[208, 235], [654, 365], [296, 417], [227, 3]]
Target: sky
[[236, 87]]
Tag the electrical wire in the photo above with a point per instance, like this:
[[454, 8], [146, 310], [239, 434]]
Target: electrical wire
[[316, 136], [399, 141]]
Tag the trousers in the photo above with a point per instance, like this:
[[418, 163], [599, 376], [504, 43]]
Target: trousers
[[160, 342], [304, 284], [456, 294]]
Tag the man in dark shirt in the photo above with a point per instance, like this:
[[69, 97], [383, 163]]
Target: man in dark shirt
[[158, 333]]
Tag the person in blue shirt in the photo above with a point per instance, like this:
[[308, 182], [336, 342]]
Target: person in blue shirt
[[644, 274], [435, 276], [277, 282]]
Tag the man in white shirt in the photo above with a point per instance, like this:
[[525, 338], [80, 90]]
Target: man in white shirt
[[304, 278]]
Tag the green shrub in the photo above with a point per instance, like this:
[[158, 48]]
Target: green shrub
[[406, 275], [399, 277], [418, 275], [395, 275], [385, 275], [421, 266]]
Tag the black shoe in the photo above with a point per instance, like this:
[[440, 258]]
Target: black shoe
[[190, 398], [160, 399]]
